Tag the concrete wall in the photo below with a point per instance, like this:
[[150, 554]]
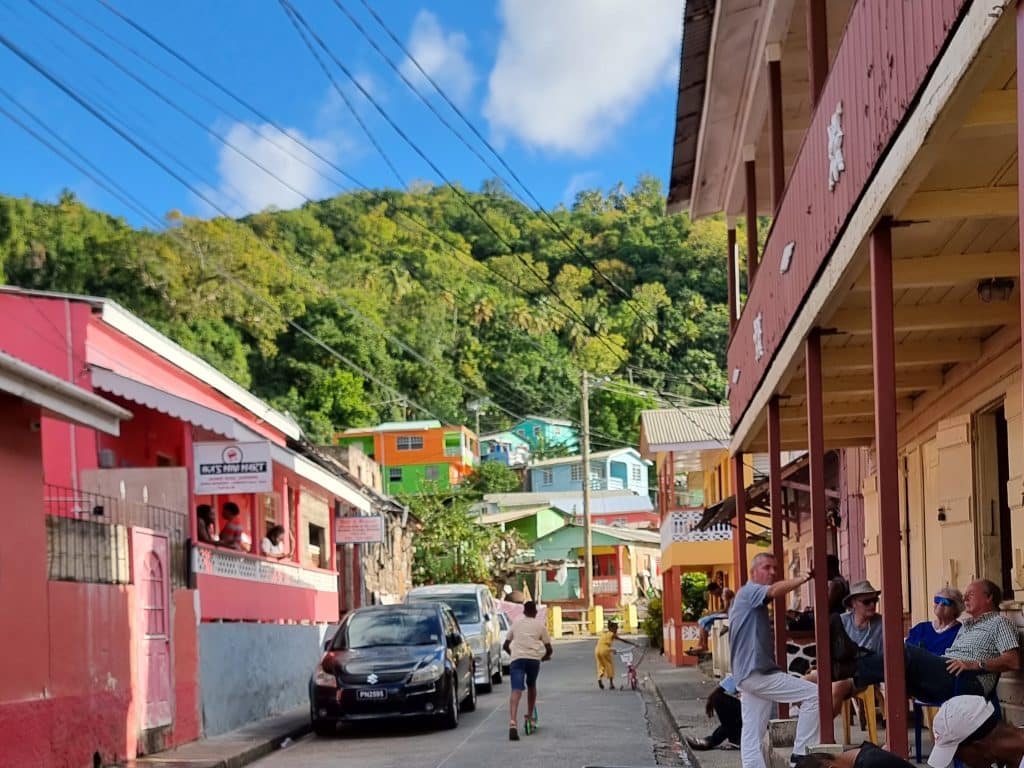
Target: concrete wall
[[250, 671]]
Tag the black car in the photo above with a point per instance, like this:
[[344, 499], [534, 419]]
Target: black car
[[394, 661]]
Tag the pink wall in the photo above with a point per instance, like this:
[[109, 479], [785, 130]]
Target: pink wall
[[146, 435], [256, 601]]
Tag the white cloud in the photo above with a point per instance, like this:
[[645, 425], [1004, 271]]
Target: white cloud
[[442, 55], [569, 74], [247, 188]]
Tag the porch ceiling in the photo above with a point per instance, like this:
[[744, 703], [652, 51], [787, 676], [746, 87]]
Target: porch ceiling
[[954, 225]]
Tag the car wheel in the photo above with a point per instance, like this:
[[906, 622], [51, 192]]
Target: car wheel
[[324, 729], [450, 719], [469, 703], [488, 686]]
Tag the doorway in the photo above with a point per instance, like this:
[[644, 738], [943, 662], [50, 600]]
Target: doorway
[[992, 473]]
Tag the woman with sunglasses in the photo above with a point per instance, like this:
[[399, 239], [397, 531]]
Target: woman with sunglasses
[[939, 633]]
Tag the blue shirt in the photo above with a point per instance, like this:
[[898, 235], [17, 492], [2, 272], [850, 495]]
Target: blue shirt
[[869, 637], [925, 636], [750, 633]]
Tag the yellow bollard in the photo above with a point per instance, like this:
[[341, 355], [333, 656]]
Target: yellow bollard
[[555, 621], [596, 618], [630, 622]]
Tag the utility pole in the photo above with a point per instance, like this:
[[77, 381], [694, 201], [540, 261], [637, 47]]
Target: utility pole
[[588, 546]]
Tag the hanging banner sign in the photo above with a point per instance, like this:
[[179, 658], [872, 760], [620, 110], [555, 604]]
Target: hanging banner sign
[[222, 468], [359, 530]]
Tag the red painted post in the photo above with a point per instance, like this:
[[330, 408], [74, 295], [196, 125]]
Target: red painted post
[[739, 534], [775, 505], [816, 458], [1020, 149], [883, 346], [778, 146], [817, 47], [734, 298], [751, 175]]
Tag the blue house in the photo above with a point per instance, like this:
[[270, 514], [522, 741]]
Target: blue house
[[548, 435], [615, 470], [507, 447]]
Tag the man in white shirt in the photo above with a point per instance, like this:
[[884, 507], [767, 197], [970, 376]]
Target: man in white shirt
[[528, 644]]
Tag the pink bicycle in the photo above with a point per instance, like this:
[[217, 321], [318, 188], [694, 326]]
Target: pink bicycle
[[631, 659]]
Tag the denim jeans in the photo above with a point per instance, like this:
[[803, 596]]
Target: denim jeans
[[927, 676]]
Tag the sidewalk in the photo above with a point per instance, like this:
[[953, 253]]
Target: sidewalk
[[683, 692], [235, 748]]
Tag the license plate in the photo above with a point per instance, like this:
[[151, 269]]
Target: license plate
[[372, 694]]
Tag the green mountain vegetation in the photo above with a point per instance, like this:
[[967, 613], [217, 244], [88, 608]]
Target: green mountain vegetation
[[383, 305]]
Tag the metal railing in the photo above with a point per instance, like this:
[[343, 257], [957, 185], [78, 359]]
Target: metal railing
[[87, 536]]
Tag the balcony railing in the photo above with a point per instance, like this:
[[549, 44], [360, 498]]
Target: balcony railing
[[610, 585], [681, 527], [230, 564], [87, 536]]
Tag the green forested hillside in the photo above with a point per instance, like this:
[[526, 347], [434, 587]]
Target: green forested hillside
[[434, 307]]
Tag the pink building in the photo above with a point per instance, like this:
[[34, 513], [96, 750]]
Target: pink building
[[131, 630]]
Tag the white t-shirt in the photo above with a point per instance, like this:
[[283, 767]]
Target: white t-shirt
[[527, 637], [270, 548]]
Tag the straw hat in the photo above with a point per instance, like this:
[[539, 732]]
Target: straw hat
[[859, 589]]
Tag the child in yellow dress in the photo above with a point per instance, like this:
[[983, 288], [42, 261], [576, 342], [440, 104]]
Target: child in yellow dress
[[603, 654]]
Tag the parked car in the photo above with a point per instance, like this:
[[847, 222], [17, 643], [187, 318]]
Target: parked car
[[506, 657], [394, 661], [477, 612]]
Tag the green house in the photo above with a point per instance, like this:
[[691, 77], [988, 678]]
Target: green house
[[531, 524]]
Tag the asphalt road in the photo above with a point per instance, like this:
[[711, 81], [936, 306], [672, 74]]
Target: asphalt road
[[580, 725]]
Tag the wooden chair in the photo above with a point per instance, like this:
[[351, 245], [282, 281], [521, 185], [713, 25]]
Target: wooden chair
[[867, 698]]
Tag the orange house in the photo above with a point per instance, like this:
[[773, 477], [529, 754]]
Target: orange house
[[417, 455]]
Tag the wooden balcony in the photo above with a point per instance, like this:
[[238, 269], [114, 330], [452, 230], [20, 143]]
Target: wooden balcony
[[888, 49]]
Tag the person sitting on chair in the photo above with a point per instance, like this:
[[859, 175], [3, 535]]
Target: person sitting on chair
[[986, 645], [704, 623], [939, 633]]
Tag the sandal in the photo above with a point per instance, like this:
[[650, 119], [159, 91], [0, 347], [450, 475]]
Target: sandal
[[513, 732]]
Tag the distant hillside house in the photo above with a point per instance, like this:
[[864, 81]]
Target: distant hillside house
[[547, 436], [417, 455], [507, 448], [614, 470], [613, 508]]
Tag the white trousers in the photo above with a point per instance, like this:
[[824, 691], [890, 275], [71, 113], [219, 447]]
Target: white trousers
[[759, 692]]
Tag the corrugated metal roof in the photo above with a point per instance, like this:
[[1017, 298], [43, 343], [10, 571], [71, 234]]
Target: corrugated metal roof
[[674, 429]]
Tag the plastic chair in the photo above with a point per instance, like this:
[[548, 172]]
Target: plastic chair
[[867, 700], [924, 712]]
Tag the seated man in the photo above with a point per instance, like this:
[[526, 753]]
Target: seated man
[[863, 625], [704, 623], [985, 645], [867, 755], [968, 728], [723, 703]]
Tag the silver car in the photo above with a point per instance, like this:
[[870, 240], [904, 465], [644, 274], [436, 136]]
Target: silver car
[[477, 612]]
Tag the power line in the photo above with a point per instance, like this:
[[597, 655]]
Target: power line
[[542, 212], [297, 16]]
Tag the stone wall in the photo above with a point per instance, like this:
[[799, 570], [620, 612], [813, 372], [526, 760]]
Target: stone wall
[[387, 567]]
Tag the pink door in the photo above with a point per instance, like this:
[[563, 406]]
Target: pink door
[[153, 622]]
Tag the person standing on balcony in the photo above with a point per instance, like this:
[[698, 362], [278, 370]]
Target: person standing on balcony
[[273, 544], [231, 533], [759, 679], [206, 528]]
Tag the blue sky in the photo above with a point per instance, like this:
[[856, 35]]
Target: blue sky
[[575, 94]]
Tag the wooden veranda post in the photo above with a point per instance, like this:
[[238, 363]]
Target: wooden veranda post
[[886, 461], [816, 460]]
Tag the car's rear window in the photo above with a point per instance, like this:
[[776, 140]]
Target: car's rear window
[[395, 627], [466, 609]]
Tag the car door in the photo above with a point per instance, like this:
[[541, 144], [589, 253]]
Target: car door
[[465, 654]]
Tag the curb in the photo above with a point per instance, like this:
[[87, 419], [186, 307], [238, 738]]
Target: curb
[[675, 723], [263, 748]]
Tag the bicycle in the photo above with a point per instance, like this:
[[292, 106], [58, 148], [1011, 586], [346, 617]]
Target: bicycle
[[627, 658]]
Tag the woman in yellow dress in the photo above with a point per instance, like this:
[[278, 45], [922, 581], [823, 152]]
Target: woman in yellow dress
[[603, 654]]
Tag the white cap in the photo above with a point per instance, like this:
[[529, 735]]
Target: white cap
[[957, 719]]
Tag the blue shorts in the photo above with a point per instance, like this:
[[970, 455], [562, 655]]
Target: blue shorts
[[524, 673]]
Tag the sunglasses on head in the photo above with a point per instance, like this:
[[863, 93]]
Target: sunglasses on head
[[868, 600], [939, 600]]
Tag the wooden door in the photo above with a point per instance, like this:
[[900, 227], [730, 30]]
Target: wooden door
[[153, 626], [955, 513]]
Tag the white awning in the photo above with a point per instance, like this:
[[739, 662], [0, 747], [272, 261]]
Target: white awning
[[222, 424], [59, 398], [172, 405]]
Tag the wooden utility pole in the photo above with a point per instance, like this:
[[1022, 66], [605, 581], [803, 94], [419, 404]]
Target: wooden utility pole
[[588, 547]]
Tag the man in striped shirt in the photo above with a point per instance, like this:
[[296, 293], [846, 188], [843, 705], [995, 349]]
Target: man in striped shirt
[[986, 645]]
